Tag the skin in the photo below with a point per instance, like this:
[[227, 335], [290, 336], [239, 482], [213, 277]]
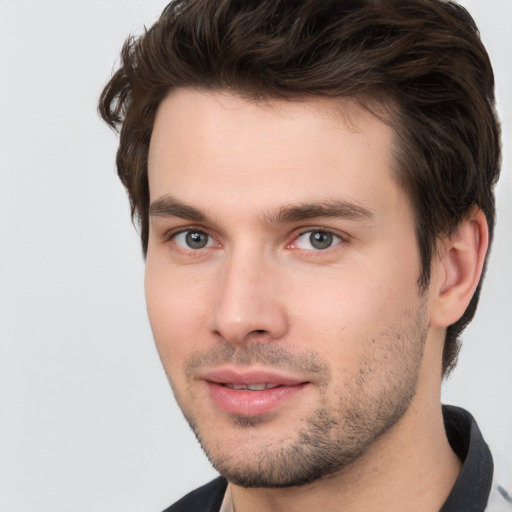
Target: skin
[[347, 322]]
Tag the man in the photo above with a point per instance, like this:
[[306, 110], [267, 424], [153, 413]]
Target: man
[[314, 185]]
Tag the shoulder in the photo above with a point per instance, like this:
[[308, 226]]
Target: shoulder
[[500, 499], [207, 498]]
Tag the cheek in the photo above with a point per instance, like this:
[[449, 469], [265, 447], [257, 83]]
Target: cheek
[[176, 311], [342, 311]]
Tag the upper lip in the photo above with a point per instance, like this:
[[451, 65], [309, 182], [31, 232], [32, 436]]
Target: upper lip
[[248, 377]]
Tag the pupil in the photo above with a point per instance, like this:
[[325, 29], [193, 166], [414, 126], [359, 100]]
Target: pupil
[[196, 239], [320, 239]]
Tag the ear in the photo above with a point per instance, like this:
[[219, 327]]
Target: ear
[[457, 269]]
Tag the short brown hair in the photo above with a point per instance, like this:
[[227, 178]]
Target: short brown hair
[[421, 59]]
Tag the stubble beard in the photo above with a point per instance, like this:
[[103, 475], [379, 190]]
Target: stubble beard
[[333, 437]]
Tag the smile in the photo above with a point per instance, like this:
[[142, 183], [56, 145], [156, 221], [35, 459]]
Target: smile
[[251, 392]]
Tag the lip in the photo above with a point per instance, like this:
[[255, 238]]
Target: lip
[[251, 403]]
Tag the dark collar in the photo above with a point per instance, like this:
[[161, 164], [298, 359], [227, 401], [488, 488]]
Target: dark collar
[[471, 490], [207, 498]]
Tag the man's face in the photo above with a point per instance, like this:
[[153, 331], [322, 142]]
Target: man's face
[[281, 281]]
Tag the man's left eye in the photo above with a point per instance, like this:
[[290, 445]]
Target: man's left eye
[[317, 240]]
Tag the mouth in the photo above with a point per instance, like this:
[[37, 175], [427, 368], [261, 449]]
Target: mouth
[[250, 387], [252, 393]]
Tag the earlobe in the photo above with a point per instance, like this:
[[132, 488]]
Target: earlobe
[[459, 268]]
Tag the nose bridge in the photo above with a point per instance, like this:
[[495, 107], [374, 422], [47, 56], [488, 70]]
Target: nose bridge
[[246, 302]]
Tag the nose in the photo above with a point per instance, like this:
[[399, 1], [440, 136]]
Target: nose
[[248, 303]]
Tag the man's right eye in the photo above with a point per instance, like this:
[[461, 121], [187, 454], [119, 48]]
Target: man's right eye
[[193, 239]]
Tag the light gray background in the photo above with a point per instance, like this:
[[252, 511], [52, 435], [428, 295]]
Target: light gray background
[[87, 422]]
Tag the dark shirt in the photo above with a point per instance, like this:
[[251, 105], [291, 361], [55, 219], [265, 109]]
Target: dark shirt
[[469, 494]]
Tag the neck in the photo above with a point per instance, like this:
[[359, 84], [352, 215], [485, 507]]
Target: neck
[[412, 463]]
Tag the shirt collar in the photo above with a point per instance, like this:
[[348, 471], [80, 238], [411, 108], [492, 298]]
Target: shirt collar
[[473, 485]]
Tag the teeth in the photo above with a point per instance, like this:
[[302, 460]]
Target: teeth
[[251, 387], [256, 387]]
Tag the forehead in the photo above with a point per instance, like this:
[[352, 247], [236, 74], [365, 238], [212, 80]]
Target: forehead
[[215, 143], [214, 107]]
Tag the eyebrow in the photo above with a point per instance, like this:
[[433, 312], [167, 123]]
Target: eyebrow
[[168, 206], [325, 209]]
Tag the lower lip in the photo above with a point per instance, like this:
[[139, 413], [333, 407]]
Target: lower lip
[[251, 403]]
